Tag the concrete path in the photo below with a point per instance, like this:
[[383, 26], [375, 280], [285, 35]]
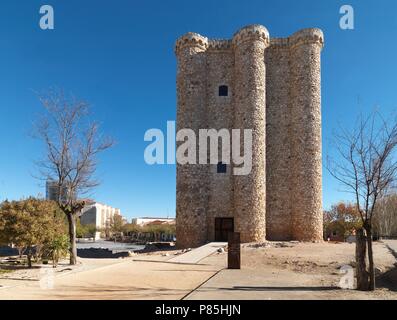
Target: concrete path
[[194, 256], [392, 244], [125, 280], [263, 284]]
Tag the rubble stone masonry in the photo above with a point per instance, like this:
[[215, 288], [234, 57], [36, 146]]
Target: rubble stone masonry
[[274, 88]]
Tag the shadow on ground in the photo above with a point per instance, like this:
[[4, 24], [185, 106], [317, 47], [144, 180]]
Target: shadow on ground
[[118, 292], [388, 279], [100, 253], [252, 288], [11, 267]]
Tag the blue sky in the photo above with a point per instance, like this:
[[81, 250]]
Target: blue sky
[[119, 56]]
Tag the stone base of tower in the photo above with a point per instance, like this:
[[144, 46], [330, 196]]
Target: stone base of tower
[[304, 232], [246, 237], [186, 243], [248, 233], [279, 237], [314, 234], [186, 237]]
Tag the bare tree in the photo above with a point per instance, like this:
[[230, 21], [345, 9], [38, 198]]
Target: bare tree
[[72, 145], [367, 166], [385, 219]]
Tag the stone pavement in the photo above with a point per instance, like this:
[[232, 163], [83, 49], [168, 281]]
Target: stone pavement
[[198, 254]]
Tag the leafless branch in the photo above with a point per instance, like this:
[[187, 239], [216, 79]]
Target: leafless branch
[[72, 145]]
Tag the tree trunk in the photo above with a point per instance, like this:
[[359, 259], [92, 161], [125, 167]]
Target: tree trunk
[[72, 237], [55, 260], [370, 259], [20, 251], [29, 256], [361, 268]]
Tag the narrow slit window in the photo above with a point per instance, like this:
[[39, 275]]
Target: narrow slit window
[[223, 91], [221, 168]]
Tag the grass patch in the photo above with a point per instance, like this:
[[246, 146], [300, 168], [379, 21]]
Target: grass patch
[[4, 271]]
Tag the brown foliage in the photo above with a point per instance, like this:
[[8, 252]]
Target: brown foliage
[[30, 223]]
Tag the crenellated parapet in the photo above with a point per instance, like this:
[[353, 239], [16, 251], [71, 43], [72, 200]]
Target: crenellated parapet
[[307, 36], [248, 34], [191, 40], [303, 37], [251, 33], [219, 45], [280, 43]]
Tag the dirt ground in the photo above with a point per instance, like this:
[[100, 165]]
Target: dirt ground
[[272, 270], [317, 258], [285, 270]]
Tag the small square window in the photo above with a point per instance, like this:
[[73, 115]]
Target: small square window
[[223, 91], [221, 168]]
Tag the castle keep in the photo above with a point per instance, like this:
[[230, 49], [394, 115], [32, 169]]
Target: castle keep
[[269, 85]]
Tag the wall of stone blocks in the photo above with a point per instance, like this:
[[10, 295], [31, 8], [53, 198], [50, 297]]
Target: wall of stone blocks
[[220, 64], [278, 144]]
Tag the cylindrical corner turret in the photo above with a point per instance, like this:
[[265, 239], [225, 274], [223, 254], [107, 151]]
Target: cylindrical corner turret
[[191, 114], [310, 36], [251, 34], [191, 41], [305, 51], [250, 113]]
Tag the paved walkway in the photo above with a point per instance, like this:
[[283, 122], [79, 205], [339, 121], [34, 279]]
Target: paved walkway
[[391, 244], [119, 280], [194, 256]]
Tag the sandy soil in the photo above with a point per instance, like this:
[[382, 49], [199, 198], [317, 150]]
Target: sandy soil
[[285, 270], [321, 258], [272, 270], [21, 275], [109, 279]]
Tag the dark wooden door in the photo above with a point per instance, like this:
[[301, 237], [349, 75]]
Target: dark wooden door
[[222, 228]]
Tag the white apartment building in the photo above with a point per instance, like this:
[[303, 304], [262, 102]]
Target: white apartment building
[[98, 214]]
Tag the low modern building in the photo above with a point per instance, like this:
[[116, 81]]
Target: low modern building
[[150, 220]]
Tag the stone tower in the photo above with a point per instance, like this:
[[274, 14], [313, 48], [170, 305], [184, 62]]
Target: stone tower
[[269, 85]]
